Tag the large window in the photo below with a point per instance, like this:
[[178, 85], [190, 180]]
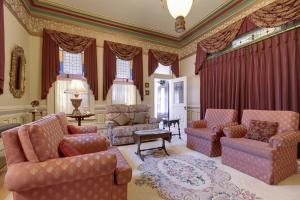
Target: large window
[[71, 67], [254, 35], [163, 70], [123, 89]]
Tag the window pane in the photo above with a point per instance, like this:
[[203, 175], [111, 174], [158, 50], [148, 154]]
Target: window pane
[[71, 63], [123, 94], [62, 99], [178, 92], [123, 69], [162, 69]]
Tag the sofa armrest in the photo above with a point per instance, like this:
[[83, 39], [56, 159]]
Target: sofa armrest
[[27, 176], [153, 120], [220, 127], [199, 124], [235, 131], [74, 129], [285, 139]]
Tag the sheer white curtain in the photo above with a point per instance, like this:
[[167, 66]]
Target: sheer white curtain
[[62, 99], [123, 94]]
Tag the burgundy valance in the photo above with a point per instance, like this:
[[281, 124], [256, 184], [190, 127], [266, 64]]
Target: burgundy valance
[[52, 40], [2, 51], [275, 14], [164, 58], [125, 52]]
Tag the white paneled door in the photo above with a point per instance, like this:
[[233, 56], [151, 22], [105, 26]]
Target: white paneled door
[[178, 100]]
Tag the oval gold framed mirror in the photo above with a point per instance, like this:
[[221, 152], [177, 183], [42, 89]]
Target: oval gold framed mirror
[[17, 72]]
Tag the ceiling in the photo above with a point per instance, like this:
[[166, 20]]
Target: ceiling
[[148, 15], [146, 19]]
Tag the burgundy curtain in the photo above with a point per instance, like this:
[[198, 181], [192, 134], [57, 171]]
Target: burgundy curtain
[[2, 51], [50, 63], [125, 52], [164, 58], [264, 75], [109, 69], [52, 40]]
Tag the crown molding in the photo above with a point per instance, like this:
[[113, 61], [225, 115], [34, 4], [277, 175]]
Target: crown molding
[[34, 19]]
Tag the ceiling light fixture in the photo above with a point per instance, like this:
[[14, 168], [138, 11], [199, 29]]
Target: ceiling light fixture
[[179, 9]]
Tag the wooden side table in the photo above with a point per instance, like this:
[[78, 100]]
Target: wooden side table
[[80, 118], [34, 112], [169, 122]]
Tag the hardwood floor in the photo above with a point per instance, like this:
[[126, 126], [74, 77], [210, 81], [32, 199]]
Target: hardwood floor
[[3, 192]]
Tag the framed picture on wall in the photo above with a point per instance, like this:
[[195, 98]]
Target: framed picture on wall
[[147, 92], [147, 85]]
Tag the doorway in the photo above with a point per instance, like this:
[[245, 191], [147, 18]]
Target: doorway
[[161, 98]]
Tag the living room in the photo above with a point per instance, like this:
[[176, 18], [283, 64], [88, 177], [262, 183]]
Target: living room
[[161, 99]]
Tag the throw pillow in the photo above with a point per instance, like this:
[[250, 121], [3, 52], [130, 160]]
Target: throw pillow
[[122, 119], [140, 118], [74, 129], [87, 143], [26, 144], [261, 130], [67, 149]]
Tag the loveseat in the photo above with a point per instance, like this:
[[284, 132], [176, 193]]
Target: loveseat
[[36, 170], [270, 161], [123, 120], [204, 135]]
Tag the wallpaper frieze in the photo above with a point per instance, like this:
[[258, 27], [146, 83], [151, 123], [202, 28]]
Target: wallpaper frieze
[[35, 25]]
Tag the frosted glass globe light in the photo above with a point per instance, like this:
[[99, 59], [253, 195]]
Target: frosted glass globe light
[[179, 8]]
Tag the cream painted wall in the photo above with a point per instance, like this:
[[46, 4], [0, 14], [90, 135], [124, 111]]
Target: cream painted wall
[[187, 68], [15, 34]]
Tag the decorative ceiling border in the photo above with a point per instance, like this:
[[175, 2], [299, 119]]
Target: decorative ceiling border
[[52, 9], [35, 24]]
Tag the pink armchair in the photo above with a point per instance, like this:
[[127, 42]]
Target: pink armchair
[[270, 162], [96, 176], [204, 135]]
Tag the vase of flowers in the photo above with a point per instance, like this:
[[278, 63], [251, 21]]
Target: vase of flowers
[[35, 105]]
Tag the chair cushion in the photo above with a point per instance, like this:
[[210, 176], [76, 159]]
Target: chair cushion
[[123, 172], [61, 116], [204, 133], [140, 127], [67, 149], [140, 118], [87, 143], [123, 131], [44, 136], [121, 119], [261, 130], [253, 147]]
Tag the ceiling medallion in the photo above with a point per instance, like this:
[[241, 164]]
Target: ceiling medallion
[[179, 9]]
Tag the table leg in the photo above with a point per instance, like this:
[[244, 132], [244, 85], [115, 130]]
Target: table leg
[[178, 123], [33, 116], [79, 121], [164, 146], [138, 152]]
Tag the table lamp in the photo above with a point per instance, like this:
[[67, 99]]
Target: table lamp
[[76, 88]]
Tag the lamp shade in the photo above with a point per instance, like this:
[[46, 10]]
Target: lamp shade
[[179, 8], [76, 87]]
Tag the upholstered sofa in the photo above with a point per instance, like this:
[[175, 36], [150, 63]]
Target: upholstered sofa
[[95, 176], [204, 135], [270, 161], [121, 135]]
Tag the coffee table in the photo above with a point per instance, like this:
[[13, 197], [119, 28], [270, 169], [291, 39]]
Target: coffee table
[[148, 135]]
